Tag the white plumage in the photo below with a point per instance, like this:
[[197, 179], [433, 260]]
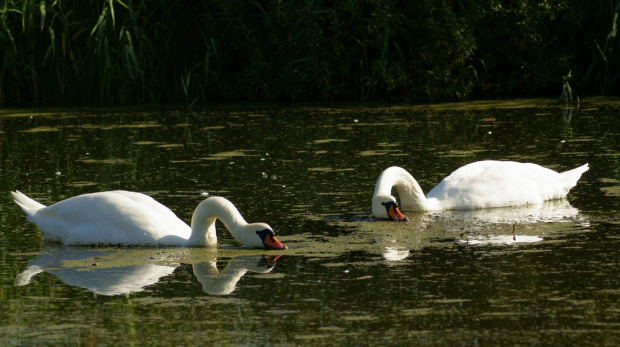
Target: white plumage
[[482, 184], [129, 218]]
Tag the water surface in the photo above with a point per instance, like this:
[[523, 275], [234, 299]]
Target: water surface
[[544, 275]]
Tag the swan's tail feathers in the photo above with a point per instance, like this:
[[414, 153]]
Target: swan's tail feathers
[[24, 278], [571, 177], [27, 204]]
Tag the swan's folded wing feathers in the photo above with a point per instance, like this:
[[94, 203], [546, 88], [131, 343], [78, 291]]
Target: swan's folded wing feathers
[[107, 218], [146, 202], [497, 184], [141, 219], [85, 219]]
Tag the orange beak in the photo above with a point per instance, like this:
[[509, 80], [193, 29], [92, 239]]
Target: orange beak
[[270, 241], [395, 214]]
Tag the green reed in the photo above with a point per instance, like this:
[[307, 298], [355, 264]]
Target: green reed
[[155, 51]]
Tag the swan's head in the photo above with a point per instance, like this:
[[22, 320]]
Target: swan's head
[[263, 237], [385, 207]]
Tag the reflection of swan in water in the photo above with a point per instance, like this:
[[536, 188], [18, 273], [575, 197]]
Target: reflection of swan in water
[[104, 271], [113, 271], [498, 226], [488, 226], [225, 282], [110, 281], [547, 212], [498, 239], [394, 253]]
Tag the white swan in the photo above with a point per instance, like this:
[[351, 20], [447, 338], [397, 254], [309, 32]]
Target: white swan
[[128, 218], [482, 184]]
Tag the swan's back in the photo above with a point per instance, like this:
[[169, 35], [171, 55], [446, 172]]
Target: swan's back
[[487, 184], [115, 217]]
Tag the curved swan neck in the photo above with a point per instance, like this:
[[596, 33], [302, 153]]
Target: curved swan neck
[[205, 215], [409, 191]]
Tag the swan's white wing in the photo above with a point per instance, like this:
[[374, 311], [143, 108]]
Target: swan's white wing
[[494, 184], [146, 202], [109, 218]]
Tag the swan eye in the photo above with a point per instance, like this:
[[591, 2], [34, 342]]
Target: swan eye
[[391, 208], [269, 239]]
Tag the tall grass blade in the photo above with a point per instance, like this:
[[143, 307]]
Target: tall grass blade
[[600, 51], [101, 20], [52, 47], [43, 13], [123, 4], [111, 4], [171, 51]]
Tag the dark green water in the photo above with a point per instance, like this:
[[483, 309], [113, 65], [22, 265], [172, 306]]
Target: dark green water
[[548, 275]]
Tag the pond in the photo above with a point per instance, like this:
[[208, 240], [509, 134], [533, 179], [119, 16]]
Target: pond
[[538, 275]]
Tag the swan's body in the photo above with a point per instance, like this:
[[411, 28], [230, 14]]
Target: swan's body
[[482, 184], [129, 218]]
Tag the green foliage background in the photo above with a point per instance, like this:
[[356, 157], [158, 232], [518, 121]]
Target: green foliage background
[[155, 51]]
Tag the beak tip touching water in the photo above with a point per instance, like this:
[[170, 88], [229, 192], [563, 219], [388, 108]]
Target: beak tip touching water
[[273, 243], [395, 214], [401, 218], [279, 245]]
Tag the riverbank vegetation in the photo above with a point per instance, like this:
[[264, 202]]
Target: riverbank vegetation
[[155, 51]]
